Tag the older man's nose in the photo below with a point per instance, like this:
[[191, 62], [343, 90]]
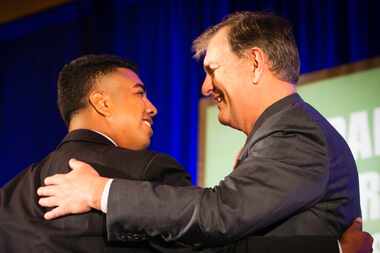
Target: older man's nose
[[207, 86]]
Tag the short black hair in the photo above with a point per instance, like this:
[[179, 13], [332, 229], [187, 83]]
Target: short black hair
[[77, 78]]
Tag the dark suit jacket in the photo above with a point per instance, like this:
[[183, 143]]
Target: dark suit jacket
[[296, 176], [22, 227], [284, 244]]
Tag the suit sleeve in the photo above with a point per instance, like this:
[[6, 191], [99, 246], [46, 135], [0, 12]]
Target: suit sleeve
[[284, 172]]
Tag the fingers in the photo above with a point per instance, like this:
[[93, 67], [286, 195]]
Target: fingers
[[55, 213], [69, 193], [48, 202], [369, 237], [75, 165], [56, 179], [368, 242], [46, 191]]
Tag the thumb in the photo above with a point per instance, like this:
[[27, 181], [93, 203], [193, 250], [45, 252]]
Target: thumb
[[76, 164], [82, 167]]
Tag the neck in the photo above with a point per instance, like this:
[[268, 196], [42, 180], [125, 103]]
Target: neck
[[272, 93], [85, 122]]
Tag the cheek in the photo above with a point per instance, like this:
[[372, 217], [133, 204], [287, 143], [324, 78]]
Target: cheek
[[236, 87], [228, 83], [129, 110], [125, 119], [232, 96]]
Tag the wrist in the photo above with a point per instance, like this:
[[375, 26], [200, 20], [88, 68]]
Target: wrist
[[97, 191]]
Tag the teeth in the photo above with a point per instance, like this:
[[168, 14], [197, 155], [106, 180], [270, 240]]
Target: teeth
[[218, 99], [147, 123]]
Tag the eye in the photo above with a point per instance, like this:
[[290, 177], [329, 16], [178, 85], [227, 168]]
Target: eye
[[210, 69], [214, 66], [140, 92]]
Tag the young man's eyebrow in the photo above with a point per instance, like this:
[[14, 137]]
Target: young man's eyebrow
[[139, 85]]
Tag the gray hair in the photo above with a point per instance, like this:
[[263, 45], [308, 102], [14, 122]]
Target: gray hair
[[271, 33]]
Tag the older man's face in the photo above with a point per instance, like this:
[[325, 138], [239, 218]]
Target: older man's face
[[227, 79]]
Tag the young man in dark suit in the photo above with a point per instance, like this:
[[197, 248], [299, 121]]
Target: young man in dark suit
[[109, 118]]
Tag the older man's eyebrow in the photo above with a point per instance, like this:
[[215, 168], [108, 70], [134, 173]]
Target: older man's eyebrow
[[208, 69]]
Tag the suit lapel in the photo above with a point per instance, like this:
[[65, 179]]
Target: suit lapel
[[269, 112]]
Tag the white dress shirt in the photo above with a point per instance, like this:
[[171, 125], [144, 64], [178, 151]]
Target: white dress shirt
[[104, 199]]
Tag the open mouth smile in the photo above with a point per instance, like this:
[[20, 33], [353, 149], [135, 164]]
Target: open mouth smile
[[148, 122], [218, 97]]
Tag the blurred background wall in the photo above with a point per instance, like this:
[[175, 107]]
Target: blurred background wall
[[38, 37]]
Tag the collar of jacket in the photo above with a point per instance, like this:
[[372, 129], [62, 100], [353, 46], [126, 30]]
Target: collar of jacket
[[270, 111], [85, 135]]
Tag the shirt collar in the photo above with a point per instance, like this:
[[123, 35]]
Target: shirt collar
[[106, 136]]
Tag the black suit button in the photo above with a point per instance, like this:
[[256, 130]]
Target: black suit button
[[122, 237], [197, 245]]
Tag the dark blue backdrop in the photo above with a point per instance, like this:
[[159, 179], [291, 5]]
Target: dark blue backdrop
[[157, 35]]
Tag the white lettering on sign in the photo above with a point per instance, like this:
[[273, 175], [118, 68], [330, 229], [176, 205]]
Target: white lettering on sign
[[359, 136], [376, 130], [356, 130], [339, 123], [370, 194]]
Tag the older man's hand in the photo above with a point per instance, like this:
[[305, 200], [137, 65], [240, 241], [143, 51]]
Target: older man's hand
[[354, 240], [75, 192]]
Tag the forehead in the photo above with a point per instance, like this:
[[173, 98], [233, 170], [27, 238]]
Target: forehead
[[127, 74], [121, 79], [218, 47]]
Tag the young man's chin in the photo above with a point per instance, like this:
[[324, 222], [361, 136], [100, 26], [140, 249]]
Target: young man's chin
[[145, 144]]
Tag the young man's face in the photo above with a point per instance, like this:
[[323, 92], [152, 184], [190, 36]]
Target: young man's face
[[132, 113]]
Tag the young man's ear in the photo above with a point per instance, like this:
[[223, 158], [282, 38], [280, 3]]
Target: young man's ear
[[100, 103]]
